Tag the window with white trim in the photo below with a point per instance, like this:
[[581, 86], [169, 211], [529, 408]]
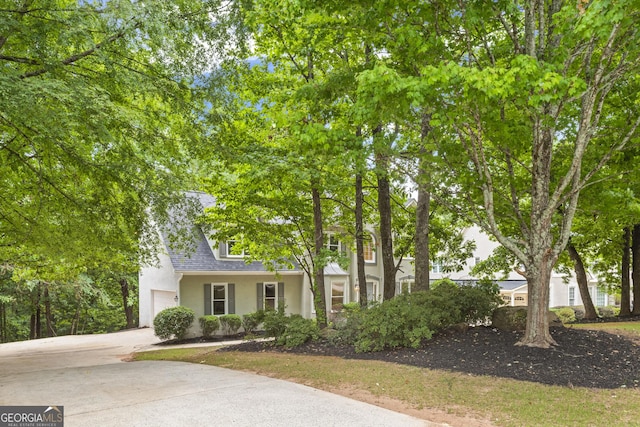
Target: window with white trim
[[333, 243], [405, 286], [270, 295], [437, 266], [372, 291], [369, 250], [600, 297], [235, 253], [219, 299], [572, 296], [338, 294]]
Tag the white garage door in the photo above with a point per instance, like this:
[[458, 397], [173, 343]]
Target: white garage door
[[162, 300]]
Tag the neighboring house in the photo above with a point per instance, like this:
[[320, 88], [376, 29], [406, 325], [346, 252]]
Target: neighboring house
[[563, 291], [211, 280]]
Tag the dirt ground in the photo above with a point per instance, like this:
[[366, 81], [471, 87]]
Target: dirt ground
[[583, 358]]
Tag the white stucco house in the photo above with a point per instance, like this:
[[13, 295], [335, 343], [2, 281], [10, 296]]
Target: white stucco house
[[211, 280], [513, 289]]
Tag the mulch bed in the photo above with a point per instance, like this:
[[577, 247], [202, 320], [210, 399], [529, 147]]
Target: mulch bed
[[583, 358]]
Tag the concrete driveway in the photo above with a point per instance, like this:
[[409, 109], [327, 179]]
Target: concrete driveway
[[87, 376]]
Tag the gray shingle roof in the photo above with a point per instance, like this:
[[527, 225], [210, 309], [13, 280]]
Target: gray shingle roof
[[203, 259], [192, 251]]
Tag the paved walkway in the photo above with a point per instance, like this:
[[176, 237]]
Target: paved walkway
[[86, 375]]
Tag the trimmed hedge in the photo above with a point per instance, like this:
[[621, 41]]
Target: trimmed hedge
[[173, 322], [209, 325]]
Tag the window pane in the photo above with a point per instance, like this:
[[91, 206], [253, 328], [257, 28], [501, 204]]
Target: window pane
[[218, 292], [269, 290], [337, 295], [270, 303], [218, 308]]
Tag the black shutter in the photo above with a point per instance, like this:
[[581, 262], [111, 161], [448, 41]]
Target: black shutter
[[207, 299], [280, 294], [260, 295], [231, 303]]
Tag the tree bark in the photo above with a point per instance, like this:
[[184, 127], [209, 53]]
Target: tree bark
[[128, 309], [422, 213], [590, 312], [635, 262], [386, 238], [362, 278], [318, 288], [625, 288], [537, 326], [51, 332]]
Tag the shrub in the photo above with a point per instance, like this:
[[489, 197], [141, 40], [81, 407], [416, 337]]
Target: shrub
[[173, 322], [230, 323], [347, 330], [298, 331], [275, 322], [565, 314], [209, 324], [251, 321], [399, 322], [606, 311], [408, 319]]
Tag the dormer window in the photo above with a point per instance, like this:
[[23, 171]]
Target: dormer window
[[236, 252]]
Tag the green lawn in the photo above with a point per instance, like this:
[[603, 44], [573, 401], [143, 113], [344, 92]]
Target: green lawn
[[628, 328], [418, 391]]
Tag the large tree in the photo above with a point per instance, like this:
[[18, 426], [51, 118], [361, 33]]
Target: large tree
[[96, 109]]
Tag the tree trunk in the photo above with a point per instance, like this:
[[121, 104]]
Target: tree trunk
[[625, 286], [3, 322], [362, 278], [423, 212], [318, 288], [386, 238], [128, 309], [34, 323], [635, 275], [47, 313], [537, 327], [590, 312]]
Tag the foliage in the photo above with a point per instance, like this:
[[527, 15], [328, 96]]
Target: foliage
[[298, 331], [289, 331], [275, 322], [230, 323], [348, 326], [252, 321], [173, 322], [409, 319], [565, 314], [209, 325]]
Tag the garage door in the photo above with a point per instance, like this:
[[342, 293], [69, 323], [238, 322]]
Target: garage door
[[162, 300]]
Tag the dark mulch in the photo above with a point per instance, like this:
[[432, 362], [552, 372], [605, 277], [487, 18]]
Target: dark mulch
[[583, 358]]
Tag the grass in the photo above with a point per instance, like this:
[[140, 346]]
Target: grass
[[503, 402], [628, 328]]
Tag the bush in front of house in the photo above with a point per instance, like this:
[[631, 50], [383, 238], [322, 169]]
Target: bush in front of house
[[230, 323], [409, 319], [275, 322], [289, 331], [347, 329], [251, 321], [298, 331], [209, 325], [173, 322], [565, 314]]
